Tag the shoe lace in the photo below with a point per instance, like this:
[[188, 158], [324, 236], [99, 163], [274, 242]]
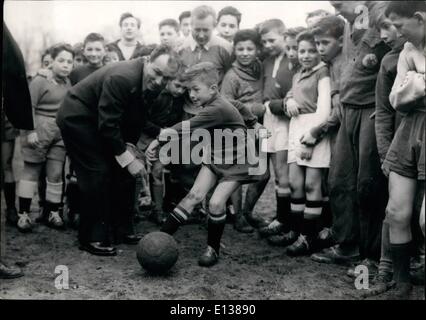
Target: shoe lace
[[24, 216], [55, 217], [301, 240], [274, 224], [210, 251], [24, 220], [324, 234]]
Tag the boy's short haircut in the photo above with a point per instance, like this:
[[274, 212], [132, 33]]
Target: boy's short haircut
[[378, 14], [270, 25], [230, 11], [405, 9], [184, 15], [246, 35], [202, 12], [293, 32], [45, 53], [319, 12], [205, 72], [174, 61], [78, 48], [171, 23], [111, 49], [180, 74], [129, 15], [305, 36], [58, 48], [332, 26], [94, 37]]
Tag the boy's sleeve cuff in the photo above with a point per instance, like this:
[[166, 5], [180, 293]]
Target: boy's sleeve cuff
[[125, 158]]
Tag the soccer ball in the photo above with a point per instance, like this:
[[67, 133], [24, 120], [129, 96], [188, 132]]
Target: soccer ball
[[258, 110], [157, 252]]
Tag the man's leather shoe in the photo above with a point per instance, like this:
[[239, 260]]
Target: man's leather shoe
[[7, 272], [98, 249], [284, 239], [131, 239], [334, 255]]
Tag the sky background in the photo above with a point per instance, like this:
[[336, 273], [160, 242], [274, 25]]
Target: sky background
[[35, 24]]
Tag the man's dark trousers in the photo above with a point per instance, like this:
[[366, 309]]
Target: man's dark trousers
[[358, 190]]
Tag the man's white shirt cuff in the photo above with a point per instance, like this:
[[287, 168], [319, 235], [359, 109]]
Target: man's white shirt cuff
[[125, 158]]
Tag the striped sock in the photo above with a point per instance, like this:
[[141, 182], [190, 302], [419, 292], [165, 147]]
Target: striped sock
[[311, 216], [313, 209], [216, 225], [283, 205], [297, 209], [327, 216], [176, 218]]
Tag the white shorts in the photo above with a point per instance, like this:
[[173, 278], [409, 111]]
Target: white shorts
[[322, 151], [278, 127]]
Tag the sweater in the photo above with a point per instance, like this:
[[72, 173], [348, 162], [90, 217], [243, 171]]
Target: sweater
[[386, 119], [47, 95], [408, 91], [244, 84]]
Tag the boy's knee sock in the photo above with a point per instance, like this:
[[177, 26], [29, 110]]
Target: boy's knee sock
[[216, 225], [53, 195], [327, 216], [41, 187], [311, 217], [168, 189], [385, 265], [174, 220], [283, 205], [401, 262], [296, 216], [26, 190], [157, 196], [10, 194]]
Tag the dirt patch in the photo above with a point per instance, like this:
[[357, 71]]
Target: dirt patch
[[248, 269]]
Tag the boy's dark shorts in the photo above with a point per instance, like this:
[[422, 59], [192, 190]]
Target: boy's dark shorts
[[406, 155]]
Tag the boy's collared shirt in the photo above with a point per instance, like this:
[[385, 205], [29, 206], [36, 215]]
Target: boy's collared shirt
[[139, 51], [277, 65], [217, 50], [363, 51], [305, 87]]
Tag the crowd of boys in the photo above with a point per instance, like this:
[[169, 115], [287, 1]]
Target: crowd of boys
[[343, 100]]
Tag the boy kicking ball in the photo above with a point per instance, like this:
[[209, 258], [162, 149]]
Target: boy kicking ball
[[216, 113]]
